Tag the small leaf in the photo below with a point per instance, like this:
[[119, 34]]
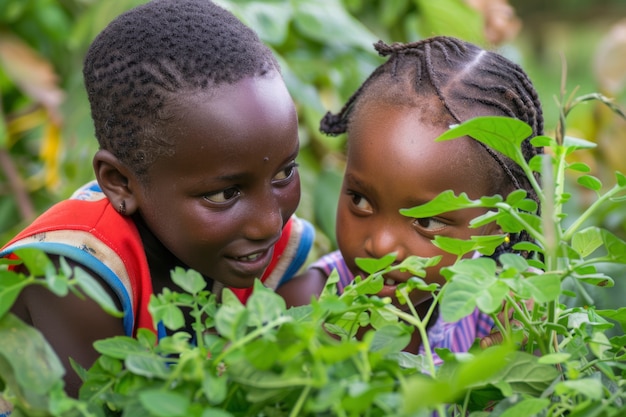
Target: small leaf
[[444, 202], [119, 347], [587, 241], [148, 365], [579, 166], [371, 266], [591, 182], [621, 179], [189, 280], [35, 260], [543, 288]]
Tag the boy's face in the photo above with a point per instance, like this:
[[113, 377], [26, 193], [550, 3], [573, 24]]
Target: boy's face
[[219, 203], [393, 162]]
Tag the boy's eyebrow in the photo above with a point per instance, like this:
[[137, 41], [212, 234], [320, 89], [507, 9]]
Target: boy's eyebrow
[[241, 175]]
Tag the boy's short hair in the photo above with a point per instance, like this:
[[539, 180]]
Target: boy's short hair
[[153, 52]]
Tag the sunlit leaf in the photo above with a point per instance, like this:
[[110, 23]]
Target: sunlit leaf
[[188, 279], [372, 266], [96, 292], [164, 403], [591, 182]]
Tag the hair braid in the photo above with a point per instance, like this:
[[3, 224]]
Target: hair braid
[[467, 80]]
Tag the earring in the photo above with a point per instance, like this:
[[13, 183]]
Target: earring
[[122, 208]]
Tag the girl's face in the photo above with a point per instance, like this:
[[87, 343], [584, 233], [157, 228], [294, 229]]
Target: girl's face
[[220, 202], [393, 163]]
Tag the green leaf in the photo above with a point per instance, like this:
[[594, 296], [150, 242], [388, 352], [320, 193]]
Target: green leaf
[[447, 201], [264, 305], [473, 284], [269, 19], [329, 23], [503, 134], [119, 347], [586, 241], [620, 178], [371, 266], [35, 260], [579, 166], [591, 182], [416, 265], [231, 319], [215, 388], [189, 280], [167, 313], [96, 292], [527, 407], [452, 18], [587, 387], [162, 403], [148, 365], [11, 284], [572, 144], [543, 288]]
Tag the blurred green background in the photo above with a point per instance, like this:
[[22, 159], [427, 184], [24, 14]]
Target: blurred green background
[[325, 49]]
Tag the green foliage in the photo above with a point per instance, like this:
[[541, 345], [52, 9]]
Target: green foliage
[[343, 354]]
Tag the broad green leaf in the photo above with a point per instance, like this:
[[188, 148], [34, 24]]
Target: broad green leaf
[[615, 246], [215, 388], [119, 347], [167, 313], [554, 358], [474, 285], [27, 362], [389, 339], [587, 241], [618, 315], [503, 134], [148, 365], [96, 292], [587, 387], [189, 280], [543, 141], [527, 407], [231, 320], [264, 305], [163, 403], [620, 178], [512, 261], [371, 266], [543, 288], [35, 260], [591, 182], [452, 18], [11, 284], [269, 19], [329, 23], [486, 245]]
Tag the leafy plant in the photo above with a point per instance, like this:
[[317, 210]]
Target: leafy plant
[[343, 354]]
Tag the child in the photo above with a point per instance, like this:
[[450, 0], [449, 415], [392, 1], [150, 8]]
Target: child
[[196, 168], [393, 162]]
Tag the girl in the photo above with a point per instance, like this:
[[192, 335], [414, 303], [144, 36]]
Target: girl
[[393, 162]]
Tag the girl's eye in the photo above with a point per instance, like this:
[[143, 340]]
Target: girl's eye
[[286, 173], [361, 203], [430, 224], [223, 196]]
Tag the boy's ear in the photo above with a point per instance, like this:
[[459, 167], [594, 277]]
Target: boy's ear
[[116, 181]]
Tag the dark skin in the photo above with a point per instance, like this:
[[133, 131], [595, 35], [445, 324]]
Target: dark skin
[[393, 162], [217, 204]]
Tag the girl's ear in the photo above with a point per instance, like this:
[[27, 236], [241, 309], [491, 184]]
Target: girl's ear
[[116, 181]]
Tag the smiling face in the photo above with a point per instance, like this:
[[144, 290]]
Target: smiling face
[[219, 203], [393, 163]]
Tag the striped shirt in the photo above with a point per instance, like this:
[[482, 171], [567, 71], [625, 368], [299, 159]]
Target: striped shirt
[[457, 336]]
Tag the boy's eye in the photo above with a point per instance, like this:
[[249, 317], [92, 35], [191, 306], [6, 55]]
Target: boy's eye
[[361, 203], [430, 224], [223, 196], [287, 172]]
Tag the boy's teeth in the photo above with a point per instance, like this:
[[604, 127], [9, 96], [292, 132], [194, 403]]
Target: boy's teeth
[[250, 257], [389, 281]]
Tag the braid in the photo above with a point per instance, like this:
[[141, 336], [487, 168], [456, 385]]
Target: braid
[[467, 80], [147, 56]]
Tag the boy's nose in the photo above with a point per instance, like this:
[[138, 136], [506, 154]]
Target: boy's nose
[[266, 220]]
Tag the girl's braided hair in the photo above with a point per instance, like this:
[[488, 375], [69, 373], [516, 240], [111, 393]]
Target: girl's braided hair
[[467, 80]]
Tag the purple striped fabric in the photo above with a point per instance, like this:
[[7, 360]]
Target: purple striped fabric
[[458, 336]]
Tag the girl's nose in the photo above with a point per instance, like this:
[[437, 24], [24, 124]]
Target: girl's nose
[[383, 242]]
